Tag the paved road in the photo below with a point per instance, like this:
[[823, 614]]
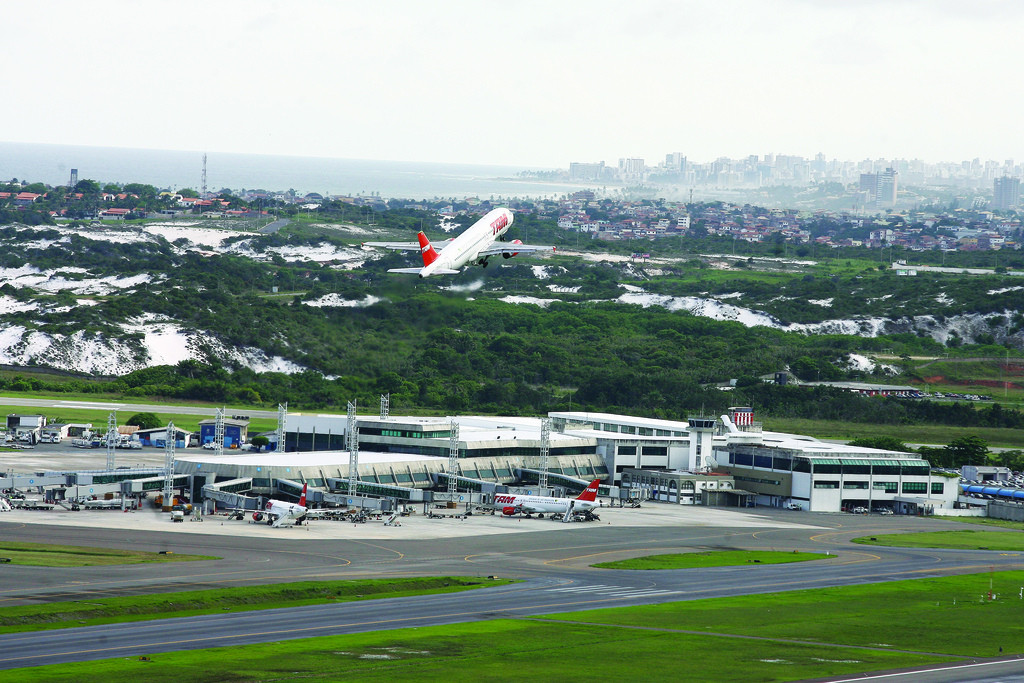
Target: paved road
[[554, 567], [275, 226]]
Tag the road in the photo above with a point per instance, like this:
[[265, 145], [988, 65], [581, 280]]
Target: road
[[554, 567]]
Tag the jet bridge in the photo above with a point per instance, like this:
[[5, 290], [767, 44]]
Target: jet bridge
[[571, 485], [370, 489]]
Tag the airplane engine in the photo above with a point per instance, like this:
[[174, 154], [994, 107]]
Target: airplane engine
[[505, 254], [508, 510], [257, 516]]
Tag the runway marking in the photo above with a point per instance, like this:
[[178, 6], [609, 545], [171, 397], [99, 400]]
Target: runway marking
[[614, 591], [918, 672], [401, 556]]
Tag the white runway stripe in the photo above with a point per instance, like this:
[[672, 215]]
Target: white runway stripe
[[614, 591]]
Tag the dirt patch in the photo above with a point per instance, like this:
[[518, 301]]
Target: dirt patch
[[935, 379]]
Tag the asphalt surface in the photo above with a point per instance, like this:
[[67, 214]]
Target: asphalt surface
[[552, 560]]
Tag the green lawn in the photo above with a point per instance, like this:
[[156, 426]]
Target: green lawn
[[928, 434], [55, 615], [495, 651], [717, 558], [986, 521], [45, 555], [967, 539], [922, 615]]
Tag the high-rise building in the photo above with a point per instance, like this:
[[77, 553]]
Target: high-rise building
[[584, 171], [880, 187], [676, 161], [885, 189], [1005, 193]]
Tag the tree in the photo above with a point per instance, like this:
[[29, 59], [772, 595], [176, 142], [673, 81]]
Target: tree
[[145, 420], [188, 192], [87, 186], [259, 442], [968, 450]]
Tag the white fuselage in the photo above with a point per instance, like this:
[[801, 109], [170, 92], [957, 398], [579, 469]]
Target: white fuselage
[[466, 247], [534, 504], [282, 512]]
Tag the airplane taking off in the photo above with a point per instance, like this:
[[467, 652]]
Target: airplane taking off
[[511, 504], [279, 512], [475, 245]]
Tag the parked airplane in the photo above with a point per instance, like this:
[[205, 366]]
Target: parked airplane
[[475, 245], [279, 512], [511, 504]]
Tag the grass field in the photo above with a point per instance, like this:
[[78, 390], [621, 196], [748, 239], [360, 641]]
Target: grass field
[[773, 637], [926, 434], [718, 558], [967, 539], [986, 521], [57, 615], [44, 555]]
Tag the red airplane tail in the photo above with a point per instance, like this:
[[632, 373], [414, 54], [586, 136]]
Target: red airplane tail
[[429, 254], [590, 493], [302, 498]]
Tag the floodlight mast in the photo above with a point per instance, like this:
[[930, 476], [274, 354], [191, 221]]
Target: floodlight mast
[[282, 420], [169, 443], [453, 461], [352, 436], [111, 439], [218, 432], [545, 450]]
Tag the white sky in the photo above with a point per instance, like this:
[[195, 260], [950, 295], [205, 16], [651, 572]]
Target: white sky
[[520, 82]]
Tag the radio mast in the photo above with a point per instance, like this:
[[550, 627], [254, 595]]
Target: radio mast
[[202, 191]]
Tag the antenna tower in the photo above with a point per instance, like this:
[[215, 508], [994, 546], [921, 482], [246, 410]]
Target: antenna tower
[[202, 192]]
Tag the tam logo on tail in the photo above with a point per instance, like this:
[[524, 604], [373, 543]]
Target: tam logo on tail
[[428, 251], [302, 498], [590, 493]]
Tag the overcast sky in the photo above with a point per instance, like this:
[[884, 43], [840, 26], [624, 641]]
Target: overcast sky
[[534, 83]]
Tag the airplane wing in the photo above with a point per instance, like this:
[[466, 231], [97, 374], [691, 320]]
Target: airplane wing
[[511, 248], [439, 271], [405, 246]]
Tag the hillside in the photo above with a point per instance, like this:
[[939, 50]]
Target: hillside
[[576, 328]]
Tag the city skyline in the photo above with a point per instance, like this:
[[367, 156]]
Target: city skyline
[[521, 83]]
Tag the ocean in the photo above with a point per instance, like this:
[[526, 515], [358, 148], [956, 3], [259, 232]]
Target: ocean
[[166, 169]]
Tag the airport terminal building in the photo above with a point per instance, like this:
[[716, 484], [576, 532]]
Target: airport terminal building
[[729, 460]]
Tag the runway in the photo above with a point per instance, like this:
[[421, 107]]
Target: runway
[[552, 560]]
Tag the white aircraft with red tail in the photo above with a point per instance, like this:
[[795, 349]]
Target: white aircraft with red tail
[[280, 512], [478, 243], [513, 504]]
